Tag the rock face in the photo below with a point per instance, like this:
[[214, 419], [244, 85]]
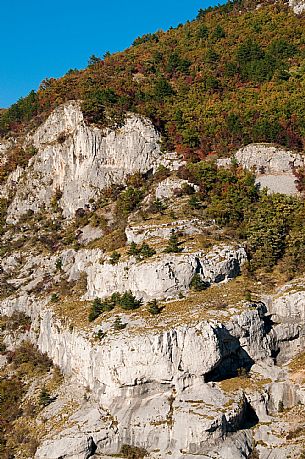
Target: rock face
[[273, 166], [203, 378], [154, 386], [157, 390], [288, 314], [166, 276], [163, 231], [76, 161], [168, 187], [298, 6], [268, 159]]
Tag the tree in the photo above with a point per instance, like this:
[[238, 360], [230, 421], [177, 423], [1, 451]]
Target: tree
[[114, 258], [133, 249], [93, 60], [118, 325], [146, 251], [162, 89], [203, 32], [96, 309], [128, 301], [45, 397], [129, 200], [153, 307], [198, 284], [218, 33], [173, 245]]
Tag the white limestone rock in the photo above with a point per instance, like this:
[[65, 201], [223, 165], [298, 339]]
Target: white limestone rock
[[5, 145], [273, 166], [287, 311], [164, 276], [152, 386], [89, 233], [172, 161], [11, 183], [141, 233], [268, 159], [298, 6], [250, 328], [168, 187], [288, 306], [80, 160]]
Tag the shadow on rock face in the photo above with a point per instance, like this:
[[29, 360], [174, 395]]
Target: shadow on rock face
[[91, 448], [236, 361]]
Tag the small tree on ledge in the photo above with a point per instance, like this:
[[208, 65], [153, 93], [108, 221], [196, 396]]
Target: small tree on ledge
[[173, 245]]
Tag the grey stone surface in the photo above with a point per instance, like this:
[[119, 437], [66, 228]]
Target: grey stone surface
[[79, 160], [298, 6]]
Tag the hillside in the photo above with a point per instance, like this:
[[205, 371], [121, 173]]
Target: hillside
[[152, 244], [234, 75]]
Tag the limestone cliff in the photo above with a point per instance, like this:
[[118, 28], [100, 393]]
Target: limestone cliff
[[75, 161], [207, 360]]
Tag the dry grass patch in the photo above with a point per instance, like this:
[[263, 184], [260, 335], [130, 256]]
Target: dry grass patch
[[72, 311], [243, 383], [297, 368]]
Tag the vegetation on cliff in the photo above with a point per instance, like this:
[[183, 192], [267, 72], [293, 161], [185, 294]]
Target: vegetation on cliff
[[232, 76]]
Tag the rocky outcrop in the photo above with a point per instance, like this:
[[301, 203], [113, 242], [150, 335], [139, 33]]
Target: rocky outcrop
[[76, 161], [165, 276], [159, 390], [268, 159], [273, 166], [154, 387], [162, 277], [298, 6], [5, 146], [163, 231], [171, 186], [287, 311], [193, 385]]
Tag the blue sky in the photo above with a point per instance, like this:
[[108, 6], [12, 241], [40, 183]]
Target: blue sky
[[42, 39]]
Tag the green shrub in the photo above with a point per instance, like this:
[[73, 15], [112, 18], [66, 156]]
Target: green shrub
[[125, 300], [118, 325], [128, 301], [129, 200], [54, 297], [146, 251], [45, 397], [114, 258], [21, 111], [133, 249], [142, 252], [153, 307], [198, 284], [173, 245], [267, 228], [195, 202], [96, 102], [58, 264], [99, 306], [162, 89]]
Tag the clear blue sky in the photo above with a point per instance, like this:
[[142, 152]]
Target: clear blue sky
[[43, 39]]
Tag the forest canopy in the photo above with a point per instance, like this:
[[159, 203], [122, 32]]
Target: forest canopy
[[234, 75]]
